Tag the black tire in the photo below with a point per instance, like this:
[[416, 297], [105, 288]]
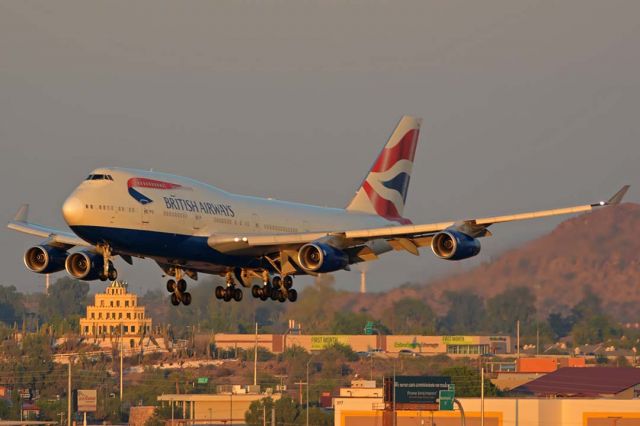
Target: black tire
[[102, 277], [228, 294], [264, 293], [186, 299], [174, 299], [282, 297], [171, 284], [219, 292], [182, 286], [237, 294], [276, 282], [113, 274], [292, 295], [287, 281], [275, 293], [255, 291]]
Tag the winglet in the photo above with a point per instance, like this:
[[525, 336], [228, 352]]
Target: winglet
[[618, 196], [22, 214]]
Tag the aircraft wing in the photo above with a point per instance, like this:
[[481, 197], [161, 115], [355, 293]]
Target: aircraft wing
[[402, 237], [55, 236]]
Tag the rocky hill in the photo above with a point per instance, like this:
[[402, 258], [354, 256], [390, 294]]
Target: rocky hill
[[600, 249]]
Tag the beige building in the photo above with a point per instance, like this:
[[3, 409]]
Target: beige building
[[362, 407], [114, 312]]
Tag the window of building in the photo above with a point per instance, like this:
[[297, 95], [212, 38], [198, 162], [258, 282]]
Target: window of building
[[126, 303], [112, 303], [118, 303], [86, 329], [120, 315], [93, 315], [126, 328], [133, 328], [128, 315], [99, 315]]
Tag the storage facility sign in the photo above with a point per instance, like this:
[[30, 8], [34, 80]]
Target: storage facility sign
[[416, 389], [460, 340], [319, 343], [87, 400]]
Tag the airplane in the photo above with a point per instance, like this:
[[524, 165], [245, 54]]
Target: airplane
[[188, 227]]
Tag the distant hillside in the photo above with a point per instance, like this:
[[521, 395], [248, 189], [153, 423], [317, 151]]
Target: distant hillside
[[600, 249]]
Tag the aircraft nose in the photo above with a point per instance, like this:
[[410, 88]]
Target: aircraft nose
[[72, 210]]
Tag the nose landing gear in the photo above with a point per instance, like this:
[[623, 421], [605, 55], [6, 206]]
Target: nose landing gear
[[109, 272], [178, 289]]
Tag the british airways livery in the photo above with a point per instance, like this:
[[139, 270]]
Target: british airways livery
[[188, 227]]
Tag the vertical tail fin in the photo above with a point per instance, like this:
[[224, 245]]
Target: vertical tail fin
[[384, 190]]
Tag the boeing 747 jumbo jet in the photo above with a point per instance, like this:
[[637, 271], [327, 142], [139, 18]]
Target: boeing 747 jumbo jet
[[188, 227]]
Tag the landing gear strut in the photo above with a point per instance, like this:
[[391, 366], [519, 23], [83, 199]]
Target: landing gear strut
[[108, 270], [178, 289]]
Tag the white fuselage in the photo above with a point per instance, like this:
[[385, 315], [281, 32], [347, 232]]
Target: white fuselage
[[169, 218]]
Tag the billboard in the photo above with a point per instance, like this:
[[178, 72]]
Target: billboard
[[87, 400], [319, 343], [415, 389]]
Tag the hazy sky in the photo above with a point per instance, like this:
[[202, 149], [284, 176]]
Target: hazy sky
[[526, 105]]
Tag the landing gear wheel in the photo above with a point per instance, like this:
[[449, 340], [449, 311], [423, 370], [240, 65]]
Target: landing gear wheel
[[175, 301], [255, 291], [171, 286], [281, 297], [186, 299], [264, 293], [237, 294], [287, 281], [227, 294], [274, 294], [102, 277], [113, 274], [276, 282], [182, 286], [292, 295], [219, 292]]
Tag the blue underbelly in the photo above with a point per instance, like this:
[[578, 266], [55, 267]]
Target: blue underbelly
[[166, 245]]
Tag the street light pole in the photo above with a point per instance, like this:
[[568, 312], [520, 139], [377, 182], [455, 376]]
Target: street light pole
[[68, 393], [307, 411]]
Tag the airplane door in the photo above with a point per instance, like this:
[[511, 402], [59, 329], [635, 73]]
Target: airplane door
[[255, 221], [305, 226], [197, 221], [146, 215]]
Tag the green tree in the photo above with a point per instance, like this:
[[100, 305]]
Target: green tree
[[348, 322], [560, 325], [513, 304], [595, 329], [67, 297], [589, 306], [11, 305], [287, 411], [467, 381], [412, 316], [466, 312]]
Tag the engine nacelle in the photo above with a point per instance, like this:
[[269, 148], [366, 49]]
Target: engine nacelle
[[454, 245], [320, 257], [45, 259], [84, 265]]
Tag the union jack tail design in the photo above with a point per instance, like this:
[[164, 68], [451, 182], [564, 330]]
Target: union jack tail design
[[384, 190]]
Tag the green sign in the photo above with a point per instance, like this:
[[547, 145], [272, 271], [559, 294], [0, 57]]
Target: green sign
[[203, 380], [445, 400], [368, 328]]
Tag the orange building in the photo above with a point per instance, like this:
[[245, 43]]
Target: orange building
[[114, 312]]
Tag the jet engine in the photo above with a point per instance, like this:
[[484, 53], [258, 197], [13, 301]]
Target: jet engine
[[45, 259], [321, 257], [454, 245], [84, 265]]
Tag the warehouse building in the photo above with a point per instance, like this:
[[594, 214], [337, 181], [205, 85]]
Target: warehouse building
[[427, 345]]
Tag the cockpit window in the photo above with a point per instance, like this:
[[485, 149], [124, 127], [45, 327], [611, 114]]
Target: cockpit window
[[99, 177]]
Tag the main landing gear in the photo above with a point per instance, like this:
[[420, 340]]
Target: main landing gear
[[178, 289], [275, 289], [109, 272], [230, 292]]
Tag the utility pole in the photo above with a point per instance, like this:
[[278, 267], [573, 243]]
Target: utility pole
[[121, 349], [518, 338], [308, 362], [255, 359], [482, 397], [68, 393]]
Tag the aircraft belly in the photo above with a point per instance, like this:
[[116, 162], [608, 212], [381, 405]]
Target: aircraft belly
[[173, 248]]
